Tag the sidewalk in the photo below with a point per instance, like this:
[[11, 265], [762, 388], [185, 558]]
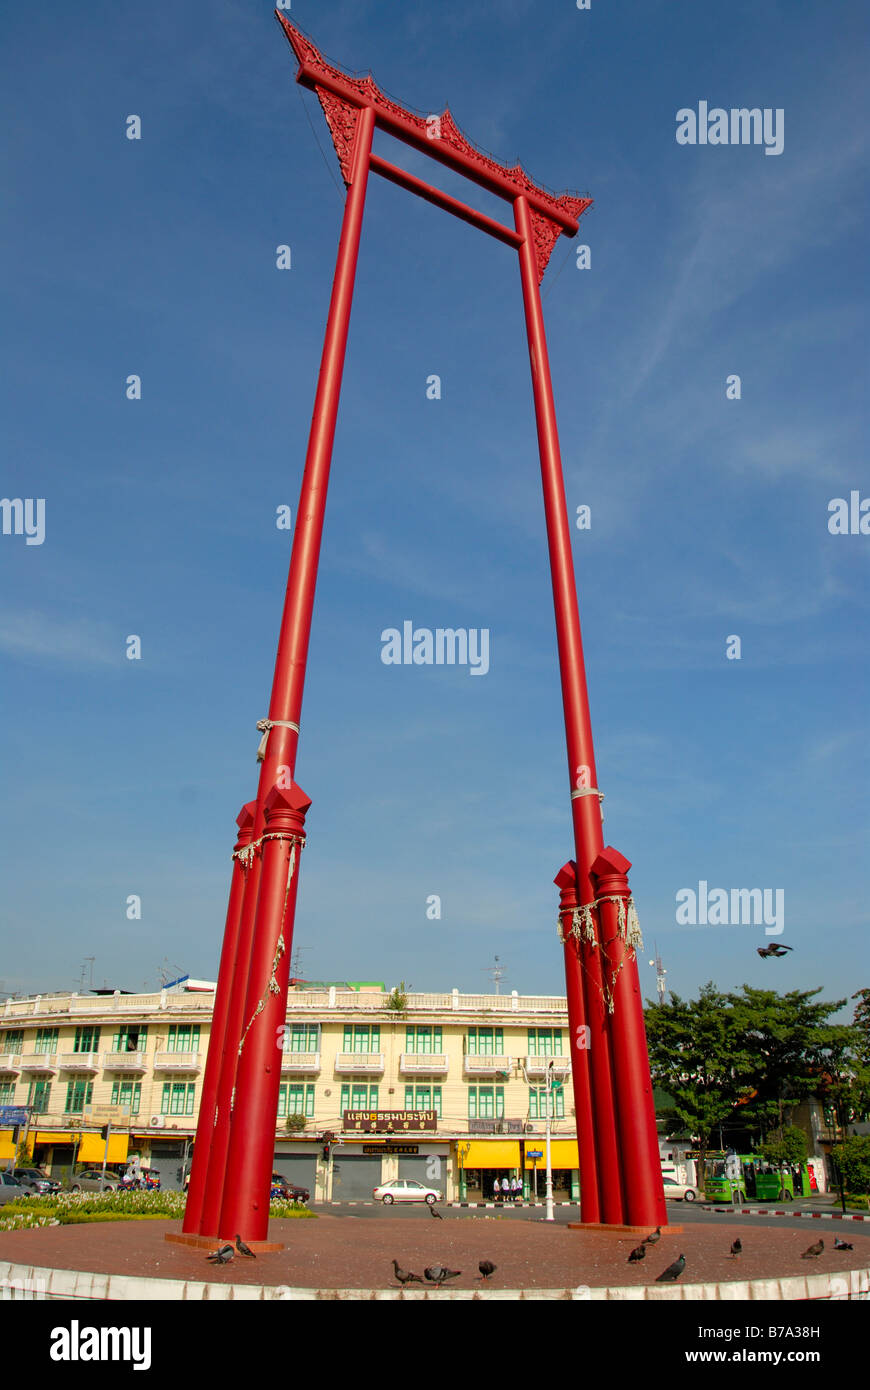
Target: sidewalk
[[349, 1252]]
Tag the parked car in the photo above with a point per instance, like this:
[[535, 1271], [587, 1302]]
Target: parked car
[[406, 1190], [289, 1190], [93, 1180], [35, 1180], [11, 1190], [680, 1191]]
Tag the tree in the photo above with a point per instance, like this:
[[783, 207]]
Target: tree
[[698, 1057], [853, 1159], [790, 1148]]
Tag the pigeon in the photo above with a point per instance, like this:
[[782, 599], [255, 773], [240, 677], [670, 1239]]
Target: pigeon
[[656, 1235], [638, 1253], [672, 1272], [813, 1252], [405, 1276], [222, 1256], [487, 1268], [736, 1248], [243, 1249], [433, 1212], [842, 1244], [436, 1274], [775, 949]]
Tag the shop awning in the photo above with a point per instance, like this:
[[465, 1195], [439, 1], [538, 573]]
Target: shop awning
[[492, 1153], [563, 1153], [93, 1147]]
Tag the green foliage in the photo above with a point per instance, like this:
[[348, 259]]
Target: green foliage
[[295, 1122], [853, 1160], [76, 1208], [788, 1147], [749, 1056], [398, 999]]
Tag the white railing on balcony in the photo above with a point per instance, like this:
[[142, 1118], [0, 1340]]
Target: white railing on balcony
[[417, 1063], [300, 1061], [10, 1061], [476, 1065], [537, 1066], [125, 1061], [359, 1062], [39, 1061], [176, 1061], [80, 1061]]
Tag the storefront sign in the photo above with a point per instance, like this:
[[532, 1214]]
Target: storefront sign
[[388, 1148], [388, 1121]]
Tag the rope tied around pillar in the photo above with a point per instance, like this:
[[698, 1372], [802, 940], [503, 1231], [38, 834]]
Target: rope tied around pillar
[[265, 726], [272, 986], [627, 927]]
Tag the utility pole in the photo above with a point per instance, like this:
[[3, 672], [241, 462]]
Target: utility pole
[[549, 1216], [661, 986]]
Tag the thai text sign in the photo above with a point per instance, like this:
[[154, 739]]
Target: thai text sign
[[388, 1121]]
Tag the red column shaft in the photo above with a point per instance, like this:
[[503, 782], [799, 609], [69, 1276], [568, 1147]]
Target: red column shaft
[[202, 1150], [578, 1049], [289, 679], [635, 1108], [586, 815], [245, 1208]]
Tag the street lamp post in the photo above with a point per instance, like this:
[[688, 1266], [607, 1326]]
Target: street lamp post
[[550, 1215]]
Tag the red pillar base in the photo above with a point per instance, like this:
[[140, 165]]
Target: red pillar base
[[210, 1243]]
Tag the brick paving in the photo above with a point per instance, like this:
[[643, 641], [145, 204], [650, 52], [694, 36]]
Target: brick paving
[[350, 1252]]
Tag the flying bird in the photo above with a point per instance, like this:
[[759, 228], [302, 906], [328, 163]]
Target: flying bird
[[638, 1253], [813, 1252], [244, 1249], [842, 1244], [736, 1248], [405, 1276], [222, 1256], [433, 1212], [775, 949], [436, 1274], [656, 1235], [672, 1272], [487, 1268]]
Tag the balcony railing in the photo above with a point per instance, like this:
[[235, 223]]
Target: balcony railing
[[10, 1061], [176, 1061], [477, 1065], [423, 1063], [125, 1061], [39, 1061], [537, 1066], [360, 1062], [300, 1061], [80, 1061]]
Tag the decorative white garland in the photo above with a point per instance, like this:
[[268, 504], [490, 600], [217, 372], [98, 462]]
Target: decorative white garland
[[582, 928], [272, 986]]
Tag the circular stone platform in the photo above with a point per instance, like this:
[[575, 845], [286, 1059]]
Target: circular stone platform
[[352, 1256]]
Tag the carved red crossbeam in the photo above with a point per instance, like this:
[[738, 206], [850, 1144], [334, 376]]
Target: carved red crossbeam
[[343, 97]]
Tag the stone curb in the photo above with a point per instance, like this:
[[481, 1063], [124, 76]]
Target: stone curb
[[31, 1282], [806, 1215]]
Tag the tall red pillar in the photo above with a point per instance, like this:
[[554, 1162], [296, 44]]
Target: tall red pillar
[[578, 1048], [635, 1108], [245, 1207], [231, 963]]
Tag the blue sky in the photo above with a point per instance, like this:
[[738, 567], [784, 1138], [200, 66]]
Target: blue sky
[[709, 515]]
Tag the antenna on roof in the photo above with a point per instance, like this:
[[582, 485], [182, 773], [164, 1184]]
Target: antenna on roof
[[661, 984], [497, 973]]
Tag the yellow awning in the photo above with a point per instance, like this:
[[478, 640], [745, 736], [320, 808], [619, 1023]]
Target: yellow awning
[[563, 1153], [492, 1153], [56, 1136], [93, 1146], [7, 1150]]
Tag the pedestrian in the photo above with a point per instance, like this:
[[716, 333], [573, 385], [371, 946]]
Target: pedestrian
[[516, 1187]]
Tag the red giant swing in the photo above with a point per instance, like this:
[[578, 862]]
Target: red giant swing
[[620, 1172]]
